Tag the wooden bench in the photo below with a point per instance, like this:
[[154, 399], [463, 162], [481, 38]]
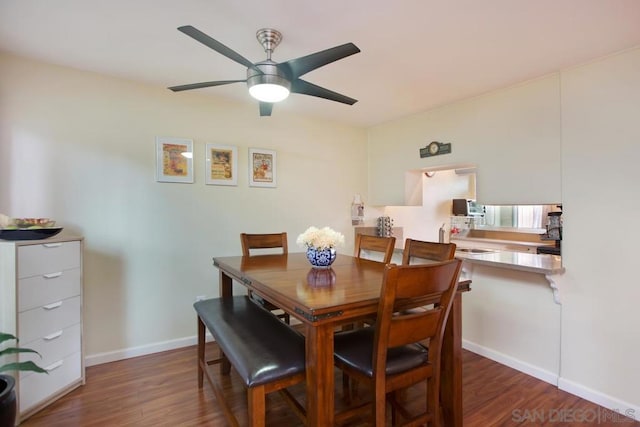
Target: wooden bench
[[266, 353]]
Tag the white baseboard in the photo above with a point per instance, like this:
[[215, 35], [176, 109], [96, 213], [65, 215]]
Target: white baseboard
[[618, 409], [518, 365], [143, 350], [613, 404]]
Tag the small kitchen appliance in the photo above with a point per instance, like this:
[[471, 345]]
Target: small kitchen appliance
[[467, 207], [554, 232]]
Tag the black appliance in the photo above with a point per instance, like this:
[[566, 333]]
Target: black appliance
[[554, 232], [467, 207], [551, 250]]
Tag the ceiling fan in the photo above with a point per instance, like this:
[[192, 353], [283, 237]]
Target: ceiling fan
[[269, 81]]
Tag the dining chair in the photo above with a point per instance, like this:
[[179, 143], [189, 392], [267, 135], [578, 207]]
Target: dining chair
[[384, 245], [265, 241], [368, 243], [423, 252], [391, 355], [430, 251]]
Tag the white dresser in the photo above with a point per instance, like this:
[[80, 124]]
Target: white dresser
[[41, 303]]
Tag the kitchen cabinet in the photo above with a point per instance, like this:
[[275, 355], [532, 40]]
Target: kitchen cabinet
[[41, 290]]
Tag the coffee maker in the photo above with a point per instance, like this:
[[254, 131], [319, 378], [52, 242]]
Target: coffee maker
[[554, 232]]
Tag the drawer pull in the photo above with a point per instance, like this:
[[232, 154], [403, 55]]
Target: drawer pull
[[52, 306], [54, 365], [52, 275], [52, 245], [53, 336]]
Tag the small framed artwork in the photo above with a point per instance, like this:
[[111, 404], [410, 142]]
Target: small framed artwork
[[262, 168], [222, 165], [174, 159]]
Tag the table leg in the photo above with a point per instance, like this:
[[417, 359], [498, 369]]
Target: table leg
[[226, 291], [451, 376], [319, 372], [226, 285], [201, 344]]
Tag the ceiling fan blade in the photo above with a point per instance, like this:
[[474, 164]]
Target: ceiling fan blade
[[300, 66], [203, 84], [306, 88], [217, 46], [266, 108]]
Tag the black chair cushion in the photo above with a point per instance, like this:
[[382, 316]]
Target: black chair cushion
[[260, 347], [355, 349]]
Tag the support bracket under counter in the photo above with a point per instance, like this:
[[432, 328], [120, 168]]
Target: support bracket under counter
[[554, 287], [548, 265]]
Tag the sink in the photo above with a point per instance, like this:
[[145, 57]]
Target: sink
[[475, 251]]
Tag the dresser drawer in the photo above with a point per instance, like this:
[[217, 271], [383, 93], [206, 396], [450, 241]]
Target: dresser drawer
[[52, 348], [48, 258], [46, 320], [36, 388], [44, 289]]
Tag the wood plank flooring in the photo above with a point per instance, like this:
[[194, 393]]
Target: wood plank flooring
[[161, 390]]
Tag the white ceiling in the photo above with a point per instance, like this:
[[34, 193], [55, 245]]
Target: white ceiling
[[416, 54]]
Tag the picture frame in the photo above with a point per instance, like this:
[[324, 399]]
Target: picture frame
[[262, 168], [221, 164], [174, 159]]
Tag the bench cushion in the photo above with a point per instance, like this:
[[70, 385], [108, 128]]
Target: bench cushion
[[260, 347]]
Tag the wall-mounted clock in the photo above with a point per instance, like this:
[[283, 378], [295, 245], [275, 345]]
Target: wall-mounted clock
[[435, 148]]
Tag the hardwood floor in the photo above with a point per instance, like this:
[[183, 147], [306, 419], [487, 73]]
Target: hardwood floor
[[161, 390]]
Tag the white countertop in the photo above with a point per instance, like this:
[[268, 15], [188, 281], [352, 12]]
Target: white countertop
[[522, 261], [458, 239]]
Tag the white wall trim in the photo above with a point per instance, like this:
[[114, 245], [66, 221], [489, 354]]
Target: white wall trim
[[143, 350], [604, 400], [519, 365]]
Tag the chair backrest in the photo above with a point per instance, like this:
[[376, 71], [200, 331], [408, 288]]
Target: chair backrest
[[263, 241], [376, 244], [409, 286], [430, 251]]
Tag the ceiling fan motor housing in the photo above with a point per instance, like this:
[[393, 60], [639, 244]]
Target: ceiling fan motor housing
[[271, 74]]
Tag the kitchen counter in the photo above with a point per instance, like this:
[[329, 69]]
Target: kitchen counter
[[548, 265], [474, 241], [522, 261]]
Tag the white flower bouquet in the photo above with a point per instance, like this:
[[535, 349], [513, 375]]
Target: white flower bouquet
[[320, 238]]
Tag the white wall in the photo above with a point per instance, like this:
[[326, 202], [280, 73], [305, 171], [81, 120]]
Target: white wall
[[423, 222], [80, 148], [510, 316], [600, 159], [589, 135], [512, 135]]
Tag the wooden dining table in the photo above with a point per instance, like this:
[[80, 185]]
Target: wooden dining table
[[323, 300]]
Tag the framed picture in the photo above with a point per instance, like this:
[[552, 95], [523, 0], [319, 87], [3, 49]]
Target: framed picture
[[262, 168], [174, 159], [222, 165]]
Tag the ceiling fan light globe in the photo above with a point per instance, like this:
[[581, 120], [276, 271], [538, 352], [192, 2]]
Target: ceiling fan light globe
[[269, 92]]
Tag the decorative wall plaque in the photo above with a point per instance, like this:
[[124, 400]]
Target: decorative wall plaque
[[435, 149]]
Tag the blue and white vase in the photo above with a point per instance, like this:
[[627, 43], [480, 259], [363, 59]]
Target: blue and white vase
[[321, 258]]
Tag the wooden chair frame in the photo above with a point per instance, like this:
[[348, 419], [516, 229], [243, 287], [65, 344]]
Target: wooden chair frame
[[265, 241], [406, 287], [376, 244], [431, 251]]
